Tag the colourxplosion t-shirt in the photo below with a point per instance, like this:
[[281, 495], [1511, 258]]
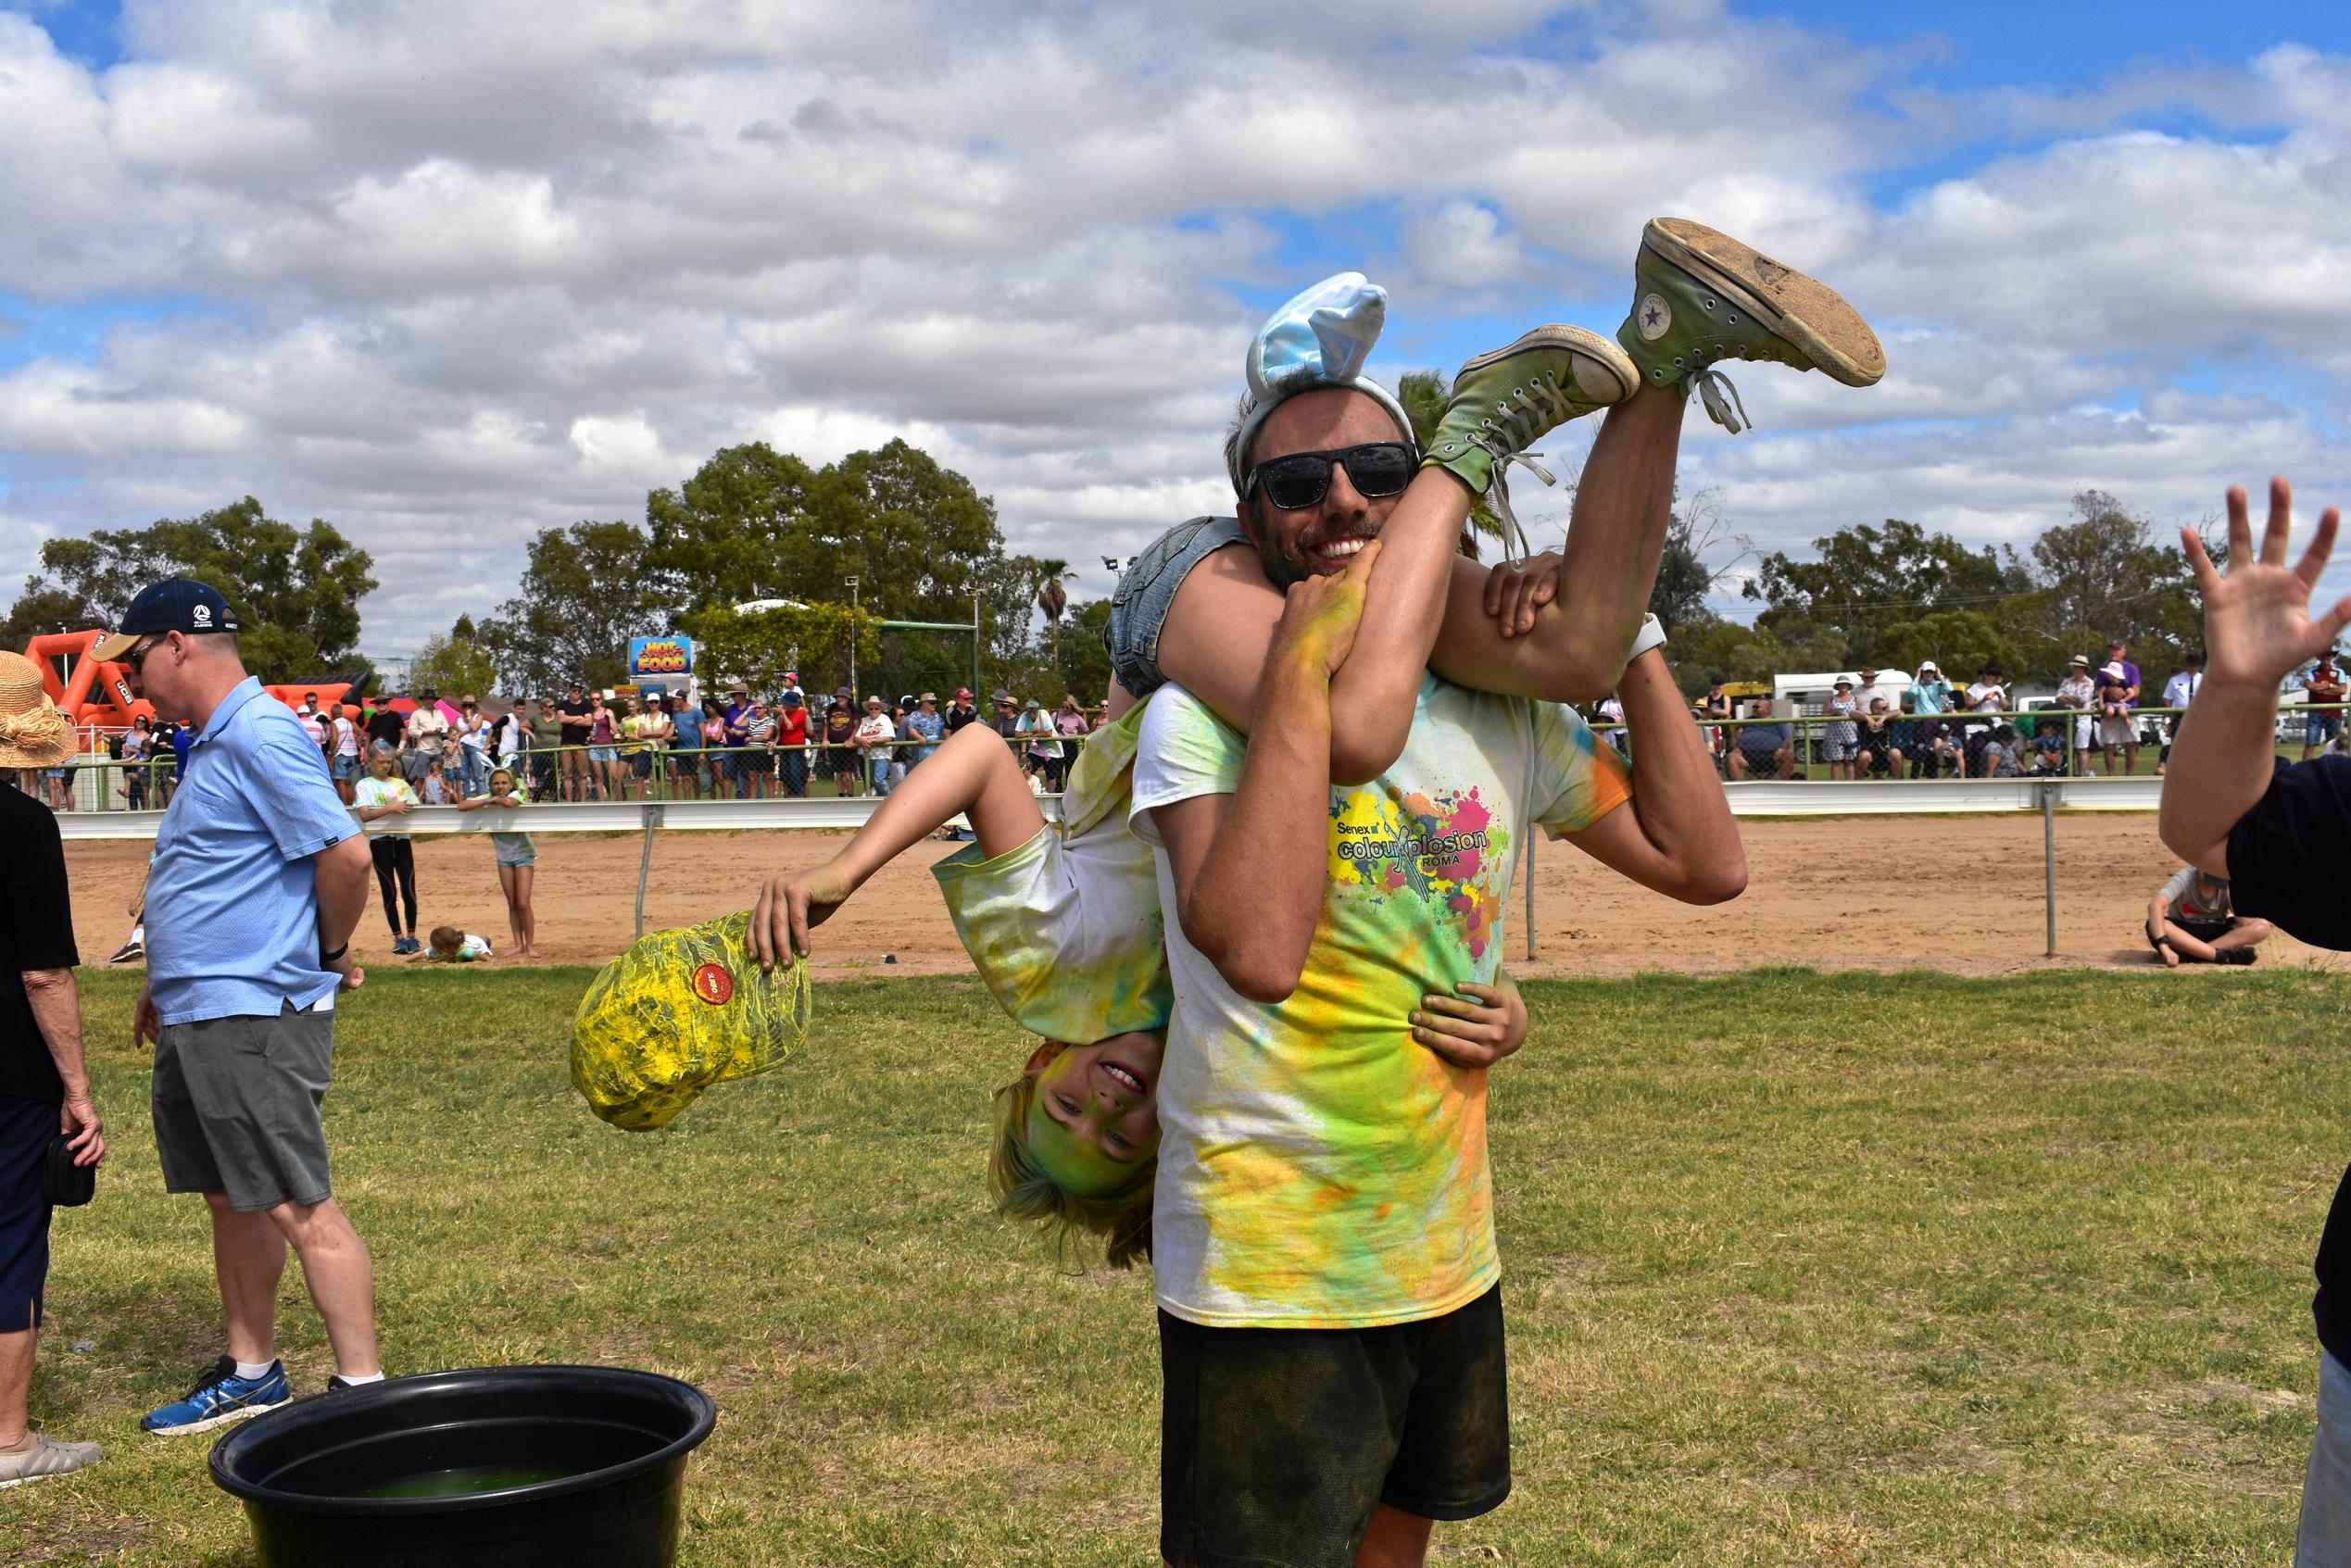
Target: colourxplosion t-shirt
[[1317, 1167], [36, 933], [2288, 861]]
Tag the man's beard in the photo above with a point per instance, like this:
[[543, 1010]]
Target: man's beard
[[1282, 569]]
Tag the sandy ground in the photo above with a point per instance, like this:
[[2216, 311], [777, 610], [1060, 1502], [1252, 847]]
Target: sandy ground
[[1959, 894]]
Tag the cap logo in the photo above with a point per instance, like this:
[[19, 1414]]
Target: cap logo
[[713, 985], [1656, 316], [201, 615]]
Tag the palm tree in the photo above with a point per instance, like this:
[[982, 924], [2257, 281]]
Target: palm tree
[[1425, 394], [1053, 599]]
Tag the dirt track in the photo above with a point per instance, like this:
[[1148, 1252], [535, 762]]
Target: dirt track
[[1960, 893]]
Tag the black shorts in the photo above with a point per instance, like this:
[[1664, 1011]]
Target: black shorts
[[26, 1128], [2205, 930], [1275, 1443]]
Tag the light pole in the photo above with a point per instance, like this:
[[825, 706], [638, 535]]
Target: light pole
[[854, 693]]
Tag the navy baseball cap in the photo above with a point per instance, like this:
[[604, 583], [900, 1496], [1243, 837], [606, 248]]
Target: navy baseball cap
[[176, 604]]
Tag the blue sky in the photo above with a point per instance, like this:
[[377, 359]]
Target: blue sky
[[448, 276]]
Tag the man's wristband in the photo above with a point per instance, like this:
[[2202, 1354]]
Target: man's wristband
[[1650, 635], [326, 958]]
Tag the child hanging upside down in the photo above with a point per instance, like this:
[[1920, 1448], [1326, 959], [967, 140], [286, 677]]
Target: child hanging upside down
[[1064, 927]]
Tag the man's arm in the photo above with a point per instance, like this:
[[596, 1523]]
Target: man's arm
[[57, 1011], [340, 873], [1249, 867], [2257, 627], [1677, 837]]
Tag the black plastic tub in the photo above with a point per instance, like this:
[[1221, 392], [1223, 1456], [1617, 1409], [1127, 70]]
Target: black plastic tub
[[579, 1465]]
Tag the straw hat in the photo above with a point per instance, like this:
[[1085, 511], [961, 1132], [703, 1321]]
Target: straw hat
[[33, 732]]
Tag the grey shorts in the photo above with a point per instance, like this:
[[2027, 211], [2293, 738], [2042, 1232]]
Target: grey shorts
[[1140, 604], [236, 1107]]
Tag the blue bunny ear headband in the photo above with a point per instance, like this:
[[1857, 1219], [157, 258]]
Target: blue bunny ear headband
[[1319, 339]]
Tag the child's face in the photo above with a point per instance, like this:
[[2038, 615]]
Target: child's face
[[1096, 1114]]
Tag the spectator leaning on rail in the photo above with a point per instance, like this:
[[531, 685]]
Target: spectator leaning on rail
[[44, 1089], [1763, 748], [259, 877], [2281, 835]]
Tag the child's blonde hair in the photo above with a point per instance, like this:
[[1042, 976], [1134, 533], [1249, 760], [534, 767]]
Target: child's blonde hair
[[446, 938], [1024, 1191]]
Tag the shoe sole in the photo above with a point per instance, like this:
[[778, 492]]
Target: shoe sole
[[1606, 353], [240, 1414], [1804, 311]]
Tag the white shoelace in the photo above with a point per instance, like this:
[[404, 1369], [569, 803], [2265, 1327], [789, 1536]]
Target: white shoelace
[[1716, 391]]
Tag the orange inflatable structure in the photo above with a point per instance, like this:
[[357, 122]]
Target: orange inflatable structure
[[94, 695]]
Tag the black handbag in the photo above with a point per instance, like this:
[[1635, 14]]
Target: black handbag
[[64, 1184]]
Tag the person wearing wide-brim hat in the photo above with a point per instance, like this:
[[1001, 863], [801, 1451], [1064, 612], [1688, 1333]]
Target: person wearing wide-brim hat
[[44, 1090], [259, 878]]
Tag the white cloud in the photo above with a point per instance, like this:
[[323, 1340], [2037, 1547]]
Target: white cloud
[[448, 274]]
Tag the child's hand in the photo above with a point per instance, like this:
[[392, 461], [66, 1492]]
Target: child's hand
[[1513, 596], [1476, 1032], [789, 907]]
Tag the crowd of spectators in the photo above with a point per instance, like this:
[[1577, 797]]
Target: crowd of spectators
[[594, 745], [1929, 726]]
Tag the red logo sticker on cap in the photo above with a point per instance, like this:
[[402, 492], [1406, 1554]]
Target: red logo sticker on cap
[[713, 985]]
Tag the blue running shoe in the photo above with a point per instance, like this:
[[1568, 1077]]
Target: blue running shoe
[[219, 1397]]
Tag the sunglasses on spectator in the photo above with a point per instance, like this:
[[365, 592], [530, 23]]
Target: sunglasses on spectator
[[138, 656], [1303, 479]]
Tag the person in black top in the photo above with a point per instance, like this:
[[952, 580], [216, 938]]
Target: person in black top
[[2282, 834], [44, 1090], [384, 727], [961, 713], [572, 717]]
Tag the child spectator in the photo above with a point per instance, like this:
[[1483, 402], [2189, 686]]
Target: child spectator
[[516, 858], [2049, 748], [383, 794], [452, 946], [433, 789], [2193, 918]]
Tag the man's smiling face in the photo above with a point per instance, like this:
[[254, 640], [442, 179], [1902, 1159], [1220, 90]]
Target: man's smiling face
[[1321, 539]]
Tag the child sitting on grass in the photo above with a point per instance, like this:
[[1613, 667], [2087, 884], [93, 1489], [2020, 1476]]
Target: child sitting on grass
[[448, 945], [1064, 927]]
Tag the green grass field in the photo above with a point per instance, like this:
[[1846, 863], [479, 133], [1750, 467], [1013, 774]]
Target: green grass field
[[1800, 1270]]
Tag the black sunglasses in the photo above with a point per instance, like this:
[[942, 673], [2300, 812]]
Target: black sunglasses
[[138, 656], [1303, 479]]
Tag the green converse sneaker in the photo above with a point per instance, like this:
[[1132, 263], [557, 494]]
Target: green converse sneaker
[[1701, 297], [1505, 401]]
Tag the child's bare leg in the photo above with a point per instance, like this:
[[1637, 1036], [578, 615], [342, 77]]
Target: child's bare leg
[[1220, 624], [2187, 946], [1572, 649], [974, 774], [2245, 934]]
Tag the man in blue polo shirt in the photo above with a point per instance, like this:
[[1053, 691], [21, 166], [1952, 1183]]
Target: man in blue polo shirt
[[259, 877]]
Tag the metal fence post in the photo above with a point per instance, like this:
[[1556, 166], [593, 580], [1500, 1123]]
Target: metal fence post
[[2049, 861], [1531, 835], [645, 862]]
